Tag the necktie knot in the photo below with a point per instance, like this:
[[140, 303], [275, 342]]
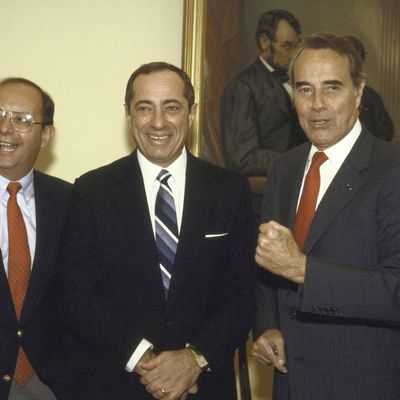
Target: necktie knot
[[281, 75], [163, 177], [318, 159], [13, 188]]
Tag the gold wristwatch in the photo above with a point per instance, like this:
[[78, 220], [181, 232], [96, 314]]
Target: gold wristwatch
[[198, 357]]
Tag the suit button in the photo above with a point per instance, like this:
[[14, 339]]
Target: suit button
[[20, 333], [292, 314], [6, 378]]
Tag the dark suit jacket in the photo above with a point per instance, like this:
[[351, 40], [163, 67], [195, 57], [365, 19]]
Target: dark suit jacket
[[113, 293], [42, 338], [258, 121], [374, 116], [342, 326]]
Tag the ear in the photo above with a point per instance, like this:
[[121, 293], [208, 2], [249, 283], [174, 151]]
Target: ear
[[127, 115], [47, 133], [360, 91], [192, 114], [264, 42]]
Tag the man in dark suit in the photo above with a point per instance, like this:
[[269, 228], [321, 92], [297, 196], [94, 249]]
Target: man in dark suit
[[32, 362], [257, 118], [373, 114], [328, 294], [164, 317]]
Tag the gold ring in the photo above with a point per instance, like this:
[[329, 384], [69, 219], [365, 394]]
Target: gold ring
[[162, 390]]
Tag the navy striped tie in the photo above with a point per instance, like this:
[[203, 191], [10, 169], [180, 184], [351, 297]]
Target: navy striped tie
[[166, 228]]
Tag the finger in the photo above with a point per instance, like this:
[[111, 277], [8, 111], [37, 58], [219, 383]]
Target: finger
[[150, 364], [280, 366], [260, 354], [260, 358], [263, 227], [194, 389], [278, 356], [157, 393]]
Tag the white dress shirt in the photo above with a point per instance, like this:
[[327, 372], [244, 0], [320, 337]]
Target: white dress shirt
[[286, 85], [336, 156], [26, 202], [177, 183]]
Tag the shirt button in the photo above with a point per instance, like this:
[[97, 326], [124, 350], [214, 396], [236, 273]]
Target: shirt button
[[20, 333], [292, 314], [6, 378]]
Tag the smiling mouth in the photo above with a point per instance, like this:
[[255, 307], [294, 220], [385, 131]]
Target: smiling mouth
[[7, 147], [319, 122], [158, 139]]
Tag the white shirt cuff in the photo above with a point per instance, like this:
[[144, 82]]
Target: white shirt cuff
[[143, 346]]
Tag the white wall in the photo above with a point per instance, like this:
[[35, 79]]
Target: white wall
[[82, 53]]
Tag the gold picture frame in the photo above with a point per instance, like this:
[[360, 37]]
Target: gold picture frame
[[193, 47]]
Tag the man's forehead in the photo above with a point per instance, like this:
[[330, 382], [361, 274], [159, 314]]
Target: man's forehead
[[321, 61], [20, 94], [284, 31], [162, 78], [161, 85]]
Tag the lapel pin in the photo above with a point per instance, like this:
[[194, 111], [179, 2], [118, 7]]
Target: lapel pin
[[348, 186]]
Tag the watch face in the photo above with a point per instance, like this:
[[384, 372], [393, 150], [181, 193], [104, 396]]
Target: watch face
[[199, 358], [201, 361]]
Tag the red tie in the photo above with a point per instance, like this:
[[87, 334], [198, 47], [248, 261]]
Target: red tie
[[308, 200], [19, 268]]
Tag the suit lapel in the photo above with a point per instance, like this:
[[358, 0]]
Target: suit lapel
[[5, 294], [42, 267], [291, 184], [198, 195], [130, 214], [274, 89], [343, 188]]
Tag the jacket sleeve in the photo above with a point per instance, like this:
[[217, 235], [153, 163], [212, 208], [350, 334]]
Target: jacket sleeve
[[229, 319], [87, 308]]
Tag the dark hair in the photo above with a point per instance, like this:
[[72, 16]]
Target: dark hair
[[158, 66], [340, 45], [268, 23], [357, 44], [47, 101]]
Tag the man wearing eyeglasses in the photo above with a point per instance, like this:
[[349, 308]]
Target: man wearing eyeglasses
[[32, 210]]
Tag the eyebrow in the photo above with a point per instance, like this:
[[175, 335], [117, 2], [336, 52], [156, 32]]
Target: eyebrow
[[166, 101], [329, 82]]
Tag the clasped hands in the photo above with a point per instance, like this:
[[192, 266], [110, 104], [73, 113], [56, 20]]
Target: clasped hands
[[277, 252], [170, 375]]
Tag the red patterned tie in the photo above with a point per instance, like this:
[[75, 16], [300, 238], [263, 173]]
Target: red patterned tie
[[308, 200], [19, 268]]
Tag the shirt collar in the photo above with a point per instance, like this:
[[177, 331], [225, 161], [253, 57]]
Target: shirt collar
[[339, 151], [269, 67], [150, 170], [26, 186]]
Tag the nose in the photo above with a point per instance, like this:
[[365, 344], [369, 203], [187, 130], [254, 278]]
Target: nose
[[5, 124], [318, 103], [158, 120]]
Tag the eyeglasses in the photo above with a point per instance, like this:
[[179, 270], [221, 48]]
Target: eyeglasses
[[21, 121]]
